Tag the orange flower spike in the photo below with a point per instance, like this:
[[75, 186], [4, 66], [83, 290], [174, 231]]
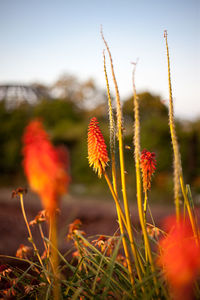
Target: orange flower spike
[[43, 166], [180, 258], [148, 167], [97, 150]]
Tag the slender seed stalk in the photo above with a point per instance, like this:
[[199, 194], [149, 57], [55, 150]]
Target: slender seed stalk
[[145, 217], [138, 178], [178, 174], [110, 112], [145, 206], [112, 150], [177, 160], [122, 167], [30, 234], [43, 238], [115, 199], [50, 233], [46, 246], [138, 263], [124, 241], [54, 255]]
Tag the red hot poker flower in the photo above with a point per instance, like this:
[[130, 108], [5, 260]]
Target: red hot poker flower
[[43, 166], [148, 166], [97, 150], [180, 258]]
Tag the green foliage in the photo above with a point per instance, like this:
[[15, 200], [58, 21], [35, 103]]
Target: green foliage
[[67, 124]]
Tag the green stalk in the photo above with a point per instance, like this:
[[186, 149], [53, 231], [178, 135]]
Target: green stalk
[[178, 174], [138, 179], [138, 263], [124, 241], [145, 206], [112, 150], [54, 255], [177, 160], [115, 199], [42, 236], [30, 234], [122, 168], [145, 217]]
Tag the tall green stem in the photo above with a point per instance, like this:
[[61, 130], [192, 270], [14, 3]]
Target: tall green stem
[[177, 160], [30, 234], [54, 255], [138, 178], [122, 168], [138, 263]]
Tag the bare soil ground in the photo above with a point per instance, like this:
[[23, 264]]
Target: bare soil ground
[[98, 217]]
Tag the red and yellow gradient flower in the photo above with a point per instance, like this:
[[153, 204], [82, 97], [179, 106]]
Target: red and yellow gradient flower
[[148, 166], [97, 150], [180, 258], [44, 166]]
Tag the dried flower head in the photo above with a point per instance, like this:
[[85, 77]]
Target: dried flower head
[[180, 258], [4, 271], [100, 242], [28, 289], [153, 231], [97, 150], [148, 166], [106, 244], [18, 191], [43, 166], [73, 227], [39, 218], [24, 252], [122, 260]]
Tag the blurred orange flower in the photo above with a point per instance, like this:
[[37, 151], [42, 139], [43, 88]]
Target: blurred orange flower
[[148, 166], [180, 258], [44, 166], [97, 150]]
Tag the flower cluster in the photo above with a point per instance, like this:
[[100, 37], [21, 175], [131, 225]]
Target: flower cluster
[[148, 166], [97, 150], [44, 166], [73, 227], [24, 252], [39, 218], [180, 258], [106, 244]]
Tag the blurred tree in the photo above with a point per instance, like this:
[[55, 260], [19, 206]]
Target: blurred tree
[[41, 90], [85, 94], [11, 129], [66, 120]]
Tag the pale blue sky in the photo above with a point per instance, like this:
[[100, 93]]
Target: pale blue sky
[[40, 40]]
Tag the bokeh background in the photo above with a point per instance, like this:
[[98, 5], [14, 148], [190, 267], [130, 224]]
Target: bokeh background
[[51, 67]]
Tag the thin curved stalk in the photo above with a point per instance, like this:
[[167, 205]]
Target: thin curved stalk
[[122, 168], [112, 150], [138, 179], [30, 235], [54, 255], [177, 160]]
